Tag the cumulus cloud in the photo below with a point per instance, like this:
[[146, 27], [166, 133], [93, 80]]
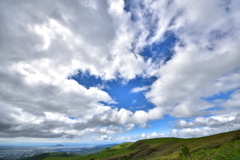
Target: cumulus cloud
[[43, 43], [149, 136], [104, 137], [204, 57], [233, 101], [139, 89], [228, 120]]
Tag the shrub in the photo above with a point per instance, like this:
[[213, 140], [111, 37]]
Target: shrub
[[185, 152]]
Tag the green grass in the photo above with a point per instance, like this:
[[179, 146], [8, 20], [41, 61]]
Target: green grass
[[197, 144], [45, 155], [110, 152], [227, 151], [162, 140], [217, 147], [120, 146]]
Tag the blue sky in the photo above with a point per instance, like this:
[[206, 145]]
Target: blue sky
[[106, 71], [119, 90]]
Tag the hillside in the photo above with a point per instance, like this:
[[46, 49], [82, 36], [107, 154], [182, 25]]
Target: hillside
[[220, 146], [45, 155]]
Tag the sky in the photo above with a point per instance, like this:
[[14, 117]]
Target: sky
[[103, 71]]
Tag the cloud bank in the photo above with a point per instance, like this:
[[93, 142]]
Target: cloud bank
[[43, 43]]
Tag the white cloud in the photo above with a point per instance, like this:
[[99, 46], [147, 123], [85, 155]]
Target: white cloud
[[195, 71], [42, 46], [139, 89], [144, 125], [233, 101], [217, 121]]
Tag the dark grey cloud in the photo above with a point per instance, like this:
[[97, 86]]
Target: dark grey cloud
[[30, 134], [44, 129]]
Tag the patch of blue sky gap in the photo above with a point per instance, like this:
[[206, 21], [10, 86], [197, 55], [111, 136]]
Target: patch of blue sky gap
[[162, 124], [86, 79], [220, 96], [72, 118], [161, 50], [121, 93], [216, 99], [211, 111]]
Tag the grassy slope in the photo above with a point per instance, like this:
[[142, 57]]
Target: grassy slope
[[210, 147], [228, 151], [110, 152], [45, 155]]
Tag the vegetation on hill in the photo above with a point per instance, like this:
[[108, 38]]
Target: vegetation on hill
[[224, 146], [45, 155]]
